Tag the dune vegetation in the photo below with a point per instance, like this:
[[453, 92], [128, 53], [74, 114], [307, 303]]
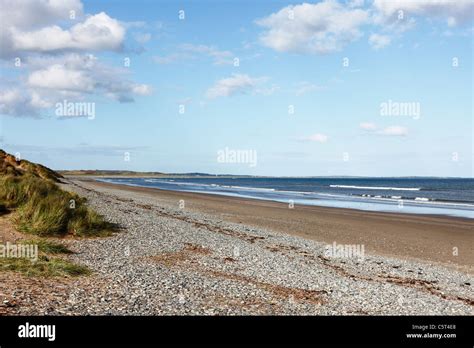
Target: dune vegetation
[[41, 206], [36, 205], [47, 263]]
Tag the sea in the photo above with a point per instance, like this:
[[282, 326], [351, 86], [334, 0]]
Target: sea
[[434, 196]]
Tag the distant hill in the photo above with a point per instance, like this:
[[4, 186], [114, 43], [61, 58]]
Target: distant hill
[[10, 166], [129, 173], [97, 172]]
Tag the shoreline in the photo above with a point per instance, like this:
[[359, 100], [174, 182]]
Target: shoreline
[[429, 238], [421, 206]]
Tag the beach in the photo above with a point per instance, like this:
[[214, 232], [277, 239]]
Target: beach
[[425, 237], [183, 253]]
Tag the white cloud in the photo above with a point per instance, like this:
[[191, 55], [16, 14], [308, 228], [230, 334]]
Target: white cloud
[[237, 84], [34, 13], [141, 89], [368, 126], [312, 28], [454, 12], [73, 77], [378, 41], [25, 15], [98, 32], [18, 102], [9, 99], [82, 74], [49, 36], [330, 25], [60, 77], [38, 102], [394, 131], [318, 138]]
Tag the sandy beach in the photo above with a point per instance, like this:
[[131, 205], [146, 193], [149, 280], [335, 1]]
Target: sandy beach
[[194, 254], [430, 238]]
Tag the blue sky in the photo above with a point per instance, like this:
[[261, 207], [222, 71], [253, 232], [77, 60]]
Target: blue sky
[[291, 56]]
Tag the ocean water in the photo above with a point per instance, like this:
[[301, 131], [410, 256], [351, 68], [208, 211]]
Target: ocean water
[[439, 196]]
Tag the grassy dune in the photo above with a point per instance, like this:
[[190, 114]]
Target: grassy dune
[[41, 207], [38, 206]]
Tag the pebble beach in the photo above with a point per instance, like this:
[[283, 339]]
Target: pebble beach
[[170, 260]]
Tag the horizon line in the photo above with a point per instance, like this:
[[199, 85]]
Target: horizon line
[[259, 176]]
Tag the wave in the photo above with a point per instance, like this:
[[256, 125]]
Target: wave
[[172, 182], [377, 188], [248, 188]]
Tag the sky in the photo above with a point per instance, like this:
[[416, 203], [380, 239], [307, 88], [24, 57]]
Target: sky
[[324, 88]]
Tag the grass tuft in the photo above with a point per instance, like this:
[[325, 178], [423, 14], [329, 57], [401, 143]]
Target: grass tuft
[[44, 209], [47, 246], [44, 266]]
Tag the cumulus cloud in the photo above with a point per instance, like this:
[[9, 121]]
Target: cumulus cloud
[[98, 32], [236, 84], [378, 41], [74, 77], [11, 100], [20, 102], [319, 28], [330, 25], [52, 38], [86, 74], [16, 15], [35, 13], [397, 13], [59, 77]]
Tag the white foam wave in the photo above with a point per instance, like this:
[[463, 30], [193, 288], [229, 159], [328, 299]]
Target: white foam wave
[[377, 188]]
